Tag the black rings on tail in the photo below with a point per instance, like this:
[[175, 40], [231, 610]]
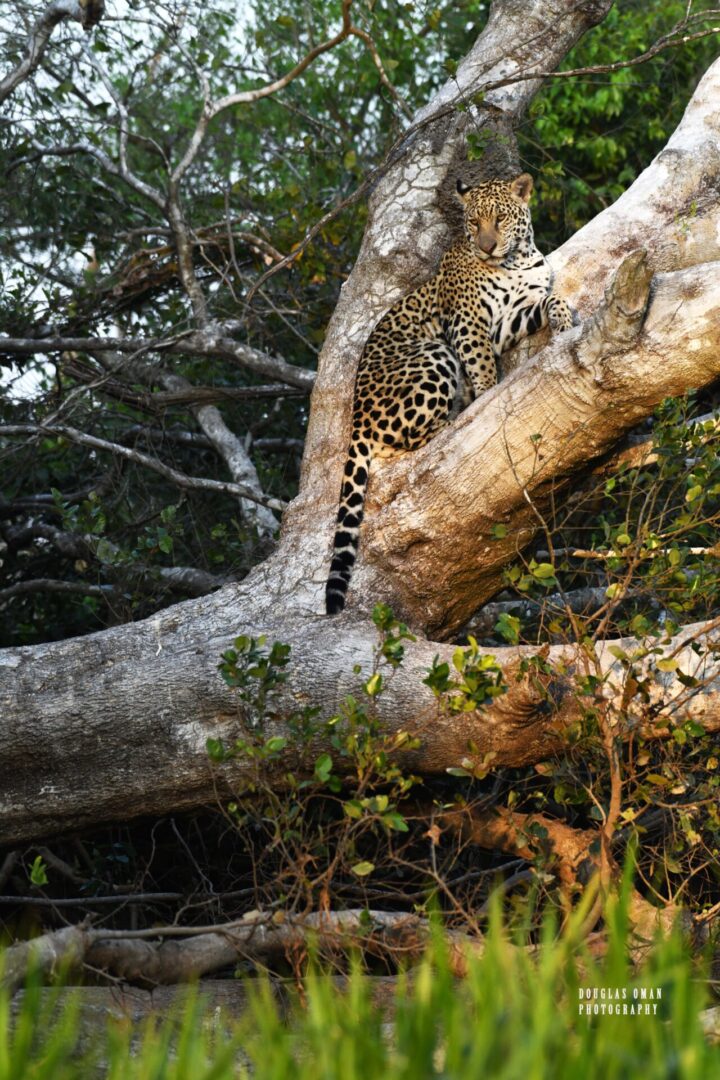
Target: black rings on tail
[[349, 519]]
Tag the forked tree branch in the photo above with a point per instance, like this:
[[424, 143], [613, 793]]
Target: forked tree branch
[[88, 14]]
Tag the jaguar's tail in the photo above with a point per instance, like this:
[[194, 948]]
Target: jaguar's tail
[[349, 518]]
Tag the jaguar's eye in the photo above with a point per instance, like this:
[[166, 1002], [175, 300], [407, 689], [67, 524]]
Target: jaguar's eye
[[499, 218]]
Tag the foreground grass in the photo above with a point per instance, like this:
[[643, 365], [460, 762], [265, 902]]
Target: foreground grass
[[514, 1017]]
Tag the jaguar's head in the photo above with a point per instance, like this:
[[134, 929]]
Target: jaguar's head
[[497, 216]]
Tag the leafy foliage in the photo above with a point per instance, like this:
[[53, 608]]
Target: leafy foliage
[[587, 138], [323, 816], [638, 549]]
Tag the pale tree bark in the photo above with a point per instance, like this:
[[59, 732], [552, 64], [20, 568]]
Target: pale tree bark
[[115, 724], [87, 14]]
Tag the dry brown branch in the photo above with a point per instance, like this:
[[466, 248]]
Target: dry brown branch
[[574, 854], [566, 848]]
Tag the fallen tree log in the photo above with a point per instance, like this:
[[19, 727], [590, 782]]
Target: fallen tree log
[[173, 954], [86, 752]]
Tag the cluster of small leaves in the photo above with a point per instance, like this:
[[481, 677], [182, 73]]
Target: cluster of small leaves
[[256, 673], [639, 550], [534, 578], [472, 682], [660, 522], [357, 773]]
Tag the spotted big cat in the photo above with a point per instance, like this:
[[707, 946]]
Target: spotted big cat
[[493, 288]]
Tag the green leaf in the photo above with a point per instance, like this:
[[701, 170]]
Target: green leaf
[[508, 626], [394, 820], [323, 768], [106, 552], [362, 869], [374, 685], [543, 570], [38, 871], [275, 744], [215, 749]]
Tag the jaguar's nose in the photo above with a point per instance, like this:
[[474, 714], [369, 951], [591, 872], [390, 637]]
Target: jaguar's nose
[[487, 242]]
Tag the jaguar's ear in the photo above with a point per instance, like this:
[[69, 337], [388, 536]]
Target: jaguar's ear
[[462, 189], [522, 187]]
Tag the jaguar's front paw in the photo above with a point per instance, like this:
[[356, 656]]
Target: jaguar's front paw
[[560, 315]]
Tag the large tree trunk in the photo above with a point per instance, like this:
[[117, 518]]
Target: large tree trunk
[[115, 724]]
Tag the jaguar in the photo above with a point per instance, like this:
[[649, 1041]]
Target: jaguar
[[438, 348]]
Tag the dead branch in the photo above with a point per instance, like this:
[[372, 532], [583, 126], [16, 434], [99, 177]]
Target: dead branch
[[210, 342], [574, 854], [173, 954], [230, 448]]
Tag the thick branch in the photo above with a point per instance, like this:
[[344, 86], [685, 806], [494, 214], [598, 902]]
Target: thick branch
[[122, 717], [177, 954], [209, 342], [579, 395], [409, 229], [53, 585]]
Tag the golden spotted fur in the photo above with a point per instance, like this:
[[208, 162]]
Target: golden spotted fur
[[438, 347]]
